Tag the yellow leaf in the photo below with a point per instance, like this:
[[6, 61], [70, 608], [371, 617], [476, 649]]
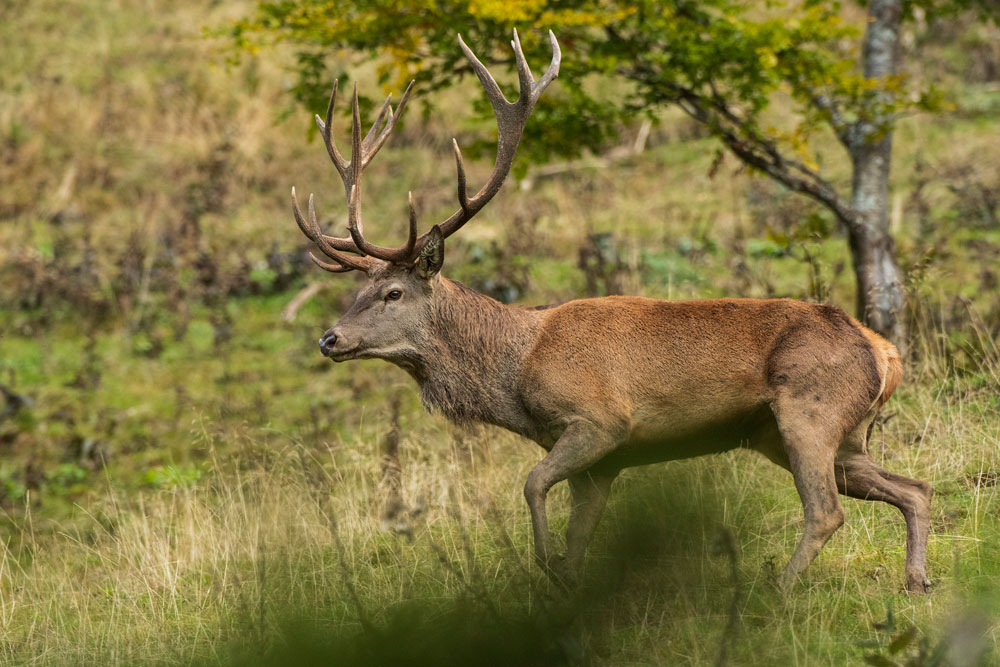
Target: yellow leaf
[[767, 57]]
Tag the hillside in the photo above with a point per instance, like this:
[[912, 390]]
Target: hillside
[[184, 479]]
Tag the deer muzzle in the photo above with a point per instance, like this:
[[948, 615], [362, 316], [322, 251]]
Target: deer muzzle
[[327, 343]]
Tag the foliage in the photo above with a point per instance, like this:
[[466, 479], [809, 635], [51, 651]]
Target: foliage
[[724, 62], [186, 481]]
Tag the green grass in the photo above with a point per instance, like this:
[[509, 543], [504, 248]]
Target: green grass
[[240, 505], [193, 483]]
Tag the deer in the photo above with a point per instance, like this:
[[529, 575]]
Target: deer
[[604, 384]]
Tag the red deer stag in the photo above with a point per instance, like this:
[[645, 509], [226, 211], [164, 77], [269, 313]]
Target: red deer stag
[[607, 383]]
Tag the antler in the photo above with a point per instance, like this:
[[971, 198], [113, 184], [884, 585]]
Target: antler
[[511, 119], [326, 243], [362, 152]]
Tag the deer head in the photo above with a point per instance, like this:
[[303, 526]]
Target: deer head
[[389, 317]]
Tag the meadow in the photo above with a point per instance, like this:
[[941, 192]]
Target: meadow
[[184, 479]]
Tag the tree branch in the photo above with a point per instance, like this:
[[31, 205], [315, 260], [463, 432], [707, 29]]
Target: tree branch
[[845, 131], [744, 141]]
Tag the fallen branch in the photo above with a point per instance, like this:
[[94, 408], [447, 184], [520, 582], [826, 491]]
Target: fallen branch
[[299, 300]]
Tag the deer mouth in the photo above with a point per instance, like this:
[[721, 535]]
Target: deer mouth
[[332, 347], [343, 355]]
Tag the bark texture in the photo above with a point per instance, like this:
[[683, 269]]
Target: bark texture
[[880, 285]]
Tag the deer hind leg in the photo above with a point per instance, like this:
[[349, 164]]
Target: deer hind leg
[[580, 447], [859, 477], [810, 445]]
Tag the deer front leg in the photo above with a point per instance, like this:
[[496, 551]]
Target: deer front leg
[[581, 446], [590, 495]]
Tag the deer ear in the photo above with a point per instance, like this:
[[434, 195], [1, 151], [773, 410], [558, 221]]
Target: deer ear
[[431, 254]]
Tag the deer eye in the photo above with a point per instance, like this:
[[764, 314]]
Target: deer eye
[[393, 295]]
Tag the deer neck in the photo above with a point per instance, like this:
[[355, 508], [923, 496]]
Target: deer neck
[[474, 356]]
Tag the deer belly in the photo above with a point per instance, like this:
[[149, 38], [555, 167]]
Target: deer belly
[[680, 434]]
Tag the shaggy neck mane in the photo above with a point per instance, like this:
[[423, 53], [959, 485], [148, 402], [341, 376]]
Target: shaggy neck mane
[[474, 356]]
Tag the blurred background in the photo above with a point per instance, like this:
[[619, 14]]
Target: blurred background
[[184, 479]]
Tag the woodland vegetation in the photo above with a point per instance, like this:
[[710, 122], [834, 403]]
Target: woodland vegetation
[[184, 479]]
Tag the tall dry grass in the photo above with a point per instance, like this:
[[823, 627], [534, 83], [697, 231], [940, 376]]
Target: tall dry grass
[[276, 559], [261, 536]]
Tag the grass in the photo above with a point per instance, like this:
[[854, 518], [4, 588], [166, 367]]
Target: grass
[[192, 483], [247, 537]]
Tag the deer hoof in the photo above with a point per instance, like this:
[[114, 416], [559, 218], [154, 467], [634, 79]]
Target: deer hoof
[[786, 583], [560, 573]]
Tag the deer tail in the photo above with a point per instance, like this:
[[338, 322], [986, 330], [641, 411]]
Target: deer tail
[[890, 366]]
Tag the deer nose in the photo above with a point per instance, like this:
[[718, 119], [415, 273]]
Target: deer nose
[[327, 342]]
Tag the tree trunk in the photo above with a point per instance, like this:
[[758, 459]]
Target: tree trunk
[[879, 279]]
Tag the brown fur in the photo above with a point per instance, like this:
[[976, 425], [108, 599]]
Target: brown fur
[[474, 357], [604, 384]]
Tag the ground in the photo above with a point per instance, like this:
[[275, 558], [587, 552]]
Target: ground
[[185, 478]]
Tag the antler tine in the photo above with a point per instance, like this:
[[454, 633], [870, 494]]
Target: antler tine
[[463, 194], [553, 70], [332, 268], [326, 131], [299, 220], [390, 123], [360, 263], [411, 238], [376, 128], [354, 224], [357, 157], [403, 254], [524, 78], [314, 234], [511, 119], [493, 91]]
